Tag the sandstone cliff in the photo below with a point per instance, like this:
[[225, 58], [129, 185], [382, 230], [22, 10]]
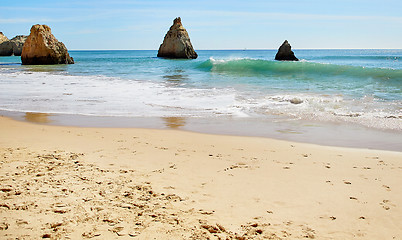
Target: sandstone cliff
[[285, 53], [13, 46], [41, 47], [176, 43]]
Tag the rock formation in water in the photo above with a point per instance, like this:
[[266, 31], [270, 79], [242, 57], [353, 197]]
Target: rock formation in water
[[176, 43], [285, 53], [41, 47], [2, 37], [4, 48], [13, 46]]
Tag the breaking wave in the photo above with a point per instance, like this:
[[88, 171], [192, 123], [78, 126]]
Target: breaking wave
[[247, 66]]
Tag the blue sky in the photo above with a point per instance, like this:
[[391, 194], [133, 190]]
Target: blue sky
[[251, 24]]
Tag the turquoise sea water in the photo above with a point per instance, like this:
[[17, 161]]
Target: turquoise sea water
[[362, 87]]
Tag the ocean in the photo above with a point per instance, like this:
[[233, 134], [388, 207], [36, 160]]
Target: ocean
[[357, 89]]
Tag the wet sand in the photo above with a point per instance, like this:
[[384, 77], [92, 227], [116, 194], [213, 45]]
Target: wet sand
[[322, 133], [126, 183]]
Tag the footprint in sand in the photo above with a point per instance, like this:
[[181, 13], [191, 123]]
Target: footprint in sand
[[328, 217], [235, 166], [386, 187], [386, 204]]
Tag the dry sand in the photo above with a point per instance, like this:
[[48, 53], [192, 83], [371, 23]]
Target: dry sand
[[72, 183]]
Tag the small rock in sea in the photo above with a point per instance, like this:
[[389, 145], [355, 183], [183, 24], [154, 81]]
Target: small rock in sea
[[176, 43], [285, 53]]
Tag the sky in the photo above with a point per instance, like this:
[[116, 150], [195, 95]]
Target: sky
[[211, 24]]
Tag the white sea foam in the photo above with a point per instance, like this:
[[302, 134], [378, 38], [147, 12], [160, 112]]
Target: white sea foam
[[106, 96], [228, 59], [112, 96]]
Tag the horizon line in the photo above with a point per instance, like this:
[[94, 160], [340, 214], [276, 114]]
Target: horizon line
[[240, 49]]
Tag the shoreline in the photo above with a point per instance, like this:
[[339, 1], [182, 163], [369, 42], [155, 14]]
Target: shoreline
[[302, 131], [78, 182]]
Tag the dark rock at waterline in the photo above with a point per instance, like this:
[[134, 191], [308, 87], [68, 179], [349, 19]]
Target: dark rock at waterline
[[13, 46], [6, 49], [176, 43], [41, 47], [285, 53]]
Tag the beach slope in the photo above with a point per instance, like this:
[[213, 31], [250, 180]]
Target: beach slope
[[110, 183]]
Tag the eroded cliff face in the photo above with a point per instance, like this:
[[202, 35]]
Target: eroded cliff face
[[285, 53], [41, 47], [176, 43]]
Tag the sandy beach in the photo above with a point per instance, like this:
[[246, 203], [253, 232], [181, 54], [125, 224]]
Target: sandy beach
[[112, 183]]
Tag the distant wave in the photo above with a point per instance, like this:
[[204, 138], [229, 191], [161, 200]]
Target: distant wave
[[276, 68], [389, 58]]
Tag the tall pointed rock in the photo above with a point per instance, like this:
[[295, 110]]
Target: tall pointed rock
[[41, 47], [176, 43], [285, 53]]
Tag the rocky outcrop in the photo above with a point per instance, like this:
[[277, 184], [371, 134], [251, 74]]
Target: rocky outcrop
[[285, 53], [13, 46], [176, 43], [3, 51], [18, 43], [41, 47], [2, 37], [6, 48]]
